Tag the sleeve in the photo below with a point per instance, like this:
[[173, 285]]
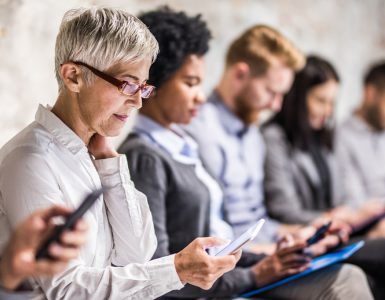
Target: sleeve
[[133, 281], [281, 197], [150, 176], [7, 295], [128, 213], [29, 184], [352, 188]]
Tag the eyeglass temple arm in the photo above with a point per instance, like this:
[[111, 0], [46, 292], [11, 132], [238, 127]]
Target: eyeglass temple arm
[[106, 77]]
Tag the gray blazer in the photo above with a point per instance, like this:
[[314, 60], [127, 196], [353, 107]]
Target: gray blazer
[[292, 183]]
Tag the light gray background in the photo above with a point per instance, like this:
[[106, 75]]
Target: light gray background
[[351, 33]]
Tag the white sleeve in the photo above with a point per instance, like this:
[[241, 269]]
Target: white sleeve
[[128, 213], [134, 281]]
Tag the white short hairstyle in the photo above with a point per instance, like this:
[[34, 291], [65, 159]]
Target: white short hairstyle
[[102, 37]]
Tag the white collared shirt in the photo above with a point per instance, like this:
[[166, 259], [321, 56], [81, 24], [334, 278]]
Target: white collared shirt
[[48, 164]]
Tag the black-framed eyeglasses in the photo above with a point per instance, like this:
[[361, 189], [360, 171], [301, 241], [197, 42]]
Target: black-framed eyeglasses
[[125, 87]]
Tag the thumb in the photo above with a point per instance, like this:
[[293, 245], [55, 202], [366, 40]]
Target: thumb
[[208, 242]]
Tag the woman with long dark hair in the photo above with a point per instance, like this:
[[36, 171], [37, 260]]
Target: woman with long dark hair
[[299, 140], [301, 178]]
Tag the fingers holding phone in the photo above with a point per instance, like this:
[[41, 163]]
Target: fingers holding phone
[[19, 262]]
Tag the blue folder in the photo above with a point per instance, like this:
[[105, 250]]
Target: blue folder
[[316, 264]]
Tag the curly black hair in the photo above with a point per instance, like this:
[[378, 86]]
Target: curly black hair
[[178, 36]]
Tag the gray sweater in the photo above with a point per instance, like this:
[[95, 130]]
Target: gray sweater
[[180, 206], [361, 161], [292, 183]]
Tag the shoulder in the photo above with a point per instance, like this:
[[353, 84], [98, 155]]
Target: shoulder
[[28, 146], [273, 132], [346, 132], [207, 125], [143, 155]]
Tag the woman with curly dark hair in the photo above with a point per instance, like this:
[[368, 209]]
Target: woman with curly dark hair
[[185, 201]]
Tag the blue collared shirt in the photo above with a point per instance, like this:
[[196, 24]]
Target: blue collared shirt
[[234, 154], [184, 149]]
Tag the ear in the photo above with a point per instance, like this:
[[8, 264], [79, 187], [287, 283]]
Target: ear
[[241, 71], [71, 76]]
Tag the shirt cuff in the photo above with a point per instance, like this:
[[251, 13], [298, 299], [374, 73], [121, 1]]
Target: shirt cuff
[[164, 268], [113, 171]]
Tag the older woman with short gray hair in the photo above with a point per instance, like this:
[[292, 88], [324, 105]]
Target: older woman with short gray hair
[[102, 61]]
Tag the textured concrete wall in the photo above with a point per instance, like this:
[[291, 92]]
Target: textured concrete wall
[[351, 33]]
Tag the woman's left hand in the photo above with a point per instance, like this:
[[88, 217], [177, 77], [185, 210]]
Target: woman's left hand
[[101, 148]]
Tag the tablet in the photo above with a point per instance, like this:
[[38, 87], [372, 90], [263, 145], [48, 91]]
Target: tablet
[[244, 238], [317, 263]]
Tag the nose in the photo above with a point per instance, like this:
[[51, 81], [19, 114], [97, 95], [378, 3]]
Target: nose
[[135, 100], [200, 97]]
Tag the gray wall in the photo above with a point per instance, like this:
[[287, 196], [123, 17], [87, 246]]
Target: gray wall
[[351, 33]]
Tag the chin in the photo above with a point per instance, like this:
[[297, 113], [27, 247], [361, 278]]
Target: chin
[[112, 133]]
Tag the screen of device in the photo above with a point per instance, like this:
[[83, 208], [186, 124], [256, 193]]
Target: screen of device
[[244, 238]]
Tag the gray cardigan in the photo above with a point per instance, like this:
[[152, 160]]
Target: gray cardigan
[[292, 182], [180, 207]]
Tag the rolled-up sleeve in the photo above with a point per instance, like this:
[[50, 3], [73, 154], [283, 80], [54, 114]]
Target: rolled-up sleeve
[[128, 213]]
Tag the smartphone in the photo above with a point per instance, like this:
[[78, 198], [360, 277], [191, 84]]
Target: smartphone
[[244, 238], [68, 224], [319, 234]]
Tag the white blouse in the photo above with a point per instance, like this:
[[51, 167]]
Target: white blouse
[[48, 164]]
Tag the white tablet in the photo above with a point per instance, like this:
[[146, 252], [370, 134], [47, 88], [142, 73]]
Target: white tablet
[[244, 238]]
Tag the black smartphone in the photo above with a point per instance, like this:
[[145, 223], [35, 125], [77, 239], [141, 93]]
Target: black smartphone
[[319, 234], [68, 224]]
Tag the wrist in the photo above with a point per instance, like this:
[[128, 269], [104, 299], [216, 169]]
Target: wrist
[[256, 270], [179, 267], [8, 281], [107, 154]]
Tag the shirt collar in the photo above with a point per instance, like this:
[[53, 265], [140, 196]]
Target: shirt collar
[[173, 140], [231, 123], [59, 130]]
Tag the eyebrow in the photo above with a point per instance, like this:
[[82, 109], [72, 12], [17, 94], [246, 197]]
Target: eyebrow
[[132, 77]]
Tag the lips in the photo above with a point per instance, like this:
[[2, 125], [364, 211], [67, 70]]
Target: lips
[[194, 111], [122, 118]]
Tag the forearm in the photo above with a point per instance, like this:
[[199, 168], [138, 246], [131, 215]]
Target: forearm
[[133, 281], [7, 280], [128, 213]]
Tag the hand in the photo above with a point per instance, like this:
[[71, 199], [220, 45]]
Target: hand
[[304, 233], [196, 267], [18, 261], [343, 213], [378, 230], [338, 227], [338, 232], [328, 242], [100, 147], [372, 208], [284, 262]]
